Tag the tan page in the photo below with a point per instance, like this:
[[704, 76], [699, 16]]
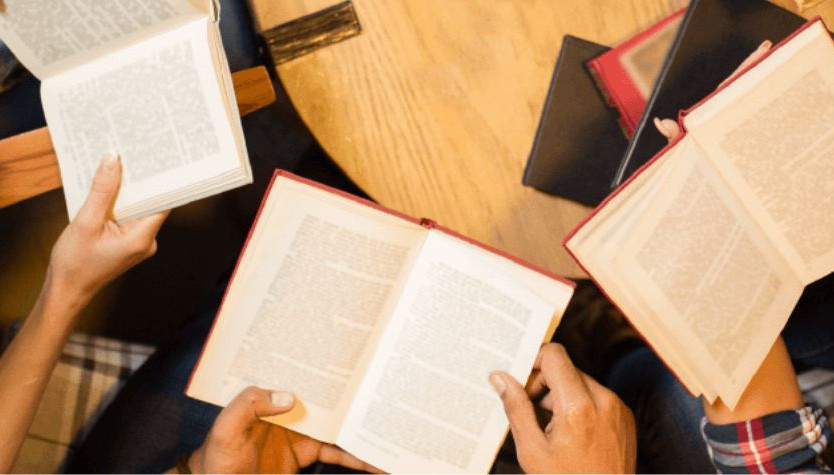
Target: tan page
[[599, 242], [711, 274], [56, 35], [425, 404], [771, 136], [307, 304]]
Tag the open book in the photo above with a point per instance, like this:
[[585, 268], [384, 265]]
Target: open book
[[708, 247], [385, 327], [147, 80]]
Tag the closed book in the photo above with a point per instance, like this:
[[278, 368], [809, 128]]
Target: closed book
[[627, 73], [714, 38], [578, 144]]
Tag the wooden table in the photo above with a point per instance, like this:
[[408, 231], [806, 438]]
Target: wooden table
[[433, 108]]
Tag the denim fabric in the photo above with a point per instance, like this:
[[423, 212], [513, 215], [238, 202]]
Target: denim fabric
[[667, 417], [809, 334]]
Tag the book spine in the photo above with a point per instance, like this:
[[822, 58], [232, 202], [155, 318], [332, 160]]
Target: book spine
[[595, 69]]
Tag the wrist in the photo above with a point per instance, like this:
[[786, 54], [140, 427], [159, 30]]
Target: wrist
[[63, 297]]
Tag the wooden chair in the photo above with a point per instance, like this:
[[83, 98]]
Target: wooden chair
[[29, 167]]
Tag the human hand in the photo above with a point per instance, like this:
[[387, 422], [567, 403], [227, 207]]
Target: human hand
[[239, 442], [93, 249], [590, 431], [670, 128]]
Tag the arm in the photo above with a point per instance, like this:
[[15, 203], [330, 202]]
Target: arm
[[92, 251], [772, 389], [770, 429]]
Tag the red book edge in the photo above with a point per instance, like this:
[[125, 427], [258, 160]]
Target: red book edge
[[654, 159], [426, 223], [613, 79]]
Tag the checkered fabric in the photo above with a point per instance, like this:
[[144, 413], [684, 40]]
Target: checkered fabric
[[90, 372], [787, 441]]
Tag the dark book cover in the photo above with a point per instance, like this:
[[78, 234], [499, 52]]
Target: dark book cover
[[715, 37], [578, 144]]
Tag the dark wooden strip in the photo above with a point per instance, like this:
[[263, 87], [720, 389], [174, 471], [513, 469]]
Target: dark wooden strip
[[311, 32]]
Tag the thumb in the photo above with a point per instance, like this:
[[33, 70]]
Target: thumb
[[520, 412], [249, 406], [103, 191]]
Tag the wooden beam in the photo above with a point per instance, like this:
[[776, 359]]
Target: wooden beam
[[29, 167]]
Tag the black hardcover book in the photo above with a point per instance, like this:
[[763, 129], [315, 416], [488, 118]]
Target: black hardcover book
[[578, 145], [714, 38]]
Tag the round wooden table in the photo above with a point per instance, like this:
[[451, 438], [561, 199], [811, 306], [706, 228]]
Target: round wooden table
[[432, 109]]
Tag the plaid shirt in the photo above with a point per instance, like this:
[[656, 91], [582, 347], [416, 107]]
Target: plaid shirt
[[787, 441]]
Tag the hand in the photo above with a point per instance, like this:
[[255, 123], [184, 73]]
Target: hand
[[670, 128], [93, 249], [590, 430], [239, 442]]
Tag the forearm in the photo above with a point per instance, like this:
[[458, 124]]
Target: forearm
[[772, 389], [25, 367]]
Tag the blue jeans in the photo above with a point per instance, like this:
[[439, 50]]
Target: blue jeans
[[151, 421]]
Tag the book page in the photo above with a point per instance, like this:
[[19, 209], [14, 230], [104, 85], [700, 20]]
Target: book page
[[712, 276], [315, 287], [158, 105], [771, 135], [425, 404], [50, 36], [598, 243]]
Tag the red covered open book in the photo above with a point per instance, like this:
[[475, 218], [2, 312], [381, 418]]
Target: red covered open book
[[384, 326], [627, 73], [707, 248]]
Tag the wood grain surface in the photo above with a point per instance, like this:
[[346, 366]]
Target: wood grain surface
[[29, 167], [433, 108]]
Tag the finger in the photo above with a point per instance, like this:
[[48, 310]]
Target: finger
[[754, 56], [249, 406], [567, 389], [520, 412], [336, 456], [103, 191], [594, 388], [668, 127]]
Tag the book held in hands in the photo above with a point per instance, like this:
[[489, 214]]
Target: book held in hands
[[707, 248], [385, 327], [147, 80]]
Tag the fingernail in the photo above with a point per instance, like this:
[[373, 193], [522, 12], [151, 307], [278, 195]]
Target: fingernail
[[661, 128], [766, 44], [282, 399], [108, 162], [497, 383]]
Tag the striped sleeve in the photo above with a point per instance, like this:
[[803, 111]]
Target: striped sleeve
[[787, 441]]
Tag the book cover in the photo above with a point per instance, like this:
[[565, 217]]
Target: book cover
[[714, 38], [627, 73], [578, 144]]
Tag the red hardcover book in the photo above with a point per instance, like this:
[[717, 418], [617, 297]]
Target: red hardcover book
[[381, 324], [627, 73], [707, 248]]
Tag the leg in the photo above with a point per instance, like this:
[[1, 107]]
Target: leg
[[151, 421], [809, 334], [668, 418]]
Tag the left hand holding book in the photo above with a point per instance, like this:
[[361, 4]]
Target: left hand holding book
[[240, 442]]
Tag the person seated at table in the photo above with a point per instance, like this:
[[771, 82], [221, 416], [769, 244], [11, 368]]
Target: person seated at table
[[92, 251], [592, 430]]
